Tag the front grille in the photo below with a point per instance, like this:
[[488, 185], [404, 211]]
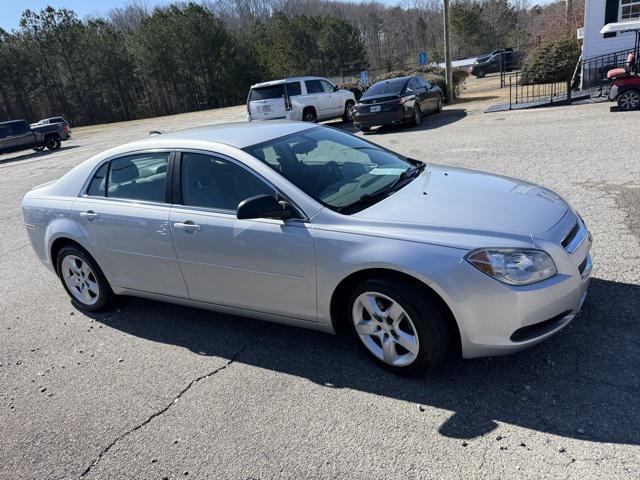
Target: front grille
[[583, 265], [575, 237], [538, 329], [571, 235]]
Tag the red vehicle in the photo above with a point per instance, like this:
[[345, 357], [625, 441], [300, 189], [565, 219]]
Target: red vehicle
[[625, 82]]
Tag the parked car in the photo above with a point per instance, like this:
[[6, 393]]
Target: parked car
[[301, 98], [310, 226], [50, 120], [18, 135], [505, 58], [397, 101]]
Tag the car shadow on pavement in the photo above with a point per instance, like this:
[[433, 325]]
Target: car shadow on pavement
[[32, 154], [582, 383], [429, 122]]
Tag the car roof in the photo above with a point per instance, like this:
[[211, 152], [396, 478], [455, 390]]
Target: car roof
[[13, 121], [238, 134], [283, 80]]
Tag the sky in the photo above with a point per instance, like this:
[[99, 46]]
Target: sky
[[11, 10]]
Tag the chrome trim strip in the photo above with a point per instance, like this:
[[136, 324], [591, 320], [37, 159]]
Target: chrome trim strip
[[587, 269]]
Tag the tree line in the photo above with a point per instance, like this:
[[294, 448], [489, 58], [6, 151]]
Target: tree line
[[136, 62]]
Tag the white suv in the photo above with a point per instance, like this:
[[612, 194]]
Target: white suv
[[301, 98]]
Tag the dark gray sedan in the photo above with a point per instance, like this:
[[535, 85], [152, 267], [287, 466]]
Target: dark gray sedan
[[397, 101]]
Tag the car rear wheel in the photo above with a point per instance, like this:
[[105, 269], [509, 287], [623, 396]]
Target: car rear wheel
[[53, 142], [480, 74], [347, 116], [398, 326], [629, 100], [309, 115], [83, 280], [365, 129], [440, 103]]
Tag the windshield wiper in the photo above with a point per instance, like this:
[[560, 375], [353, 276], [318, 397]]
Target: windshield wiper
[[398, 183]]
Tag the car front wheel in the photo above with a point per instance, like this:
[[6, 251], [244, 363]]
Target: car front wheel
[[398, 326], [83, 280]]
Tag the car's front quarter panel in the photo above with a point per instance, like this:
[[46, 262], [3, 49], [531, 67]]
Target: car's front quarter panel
[[341, 253]]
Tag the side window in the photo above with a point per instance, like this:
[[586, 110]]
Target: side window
[[213, 182], [313, 86], [139, 177], [98, 185], [326, 86], [19, 128], [414, 85], [294, 89]]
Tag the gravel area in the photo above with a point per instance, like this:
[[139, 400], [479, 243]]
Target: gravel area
[[156, 391]]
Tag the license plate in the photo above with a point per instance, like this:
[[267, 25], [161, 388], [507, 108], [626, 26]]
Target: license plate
[[265, 108], [375, 109]]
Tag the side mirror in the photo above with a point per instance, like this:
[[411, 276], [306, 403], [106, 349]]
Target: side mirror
[[336, 88], [263, 206]]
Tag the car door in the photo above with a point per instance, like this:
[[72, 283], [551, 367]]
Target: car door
[[316, 98], [124, 217], [432, 94], [413, 88], [263, 265], [20, 136], [333, 100]]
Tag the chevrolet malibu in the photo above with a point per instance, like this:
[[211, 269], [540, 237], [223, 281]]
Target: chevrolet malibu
[[310, 226]]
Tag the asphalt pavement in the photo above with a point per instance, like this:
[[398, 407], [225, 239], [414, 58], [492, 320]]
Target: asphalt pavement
[[151, 390]]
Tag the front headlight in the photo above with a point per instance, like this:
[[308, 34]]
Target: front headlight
[[513, 266]]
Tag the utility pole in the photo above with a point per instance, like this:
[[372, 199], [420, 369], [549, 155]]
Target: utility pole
[[447, 54]]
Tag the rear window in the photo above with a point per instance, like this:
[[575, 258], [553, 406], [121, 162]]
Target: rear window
[[275, 91], [267, 93], [387, 86]]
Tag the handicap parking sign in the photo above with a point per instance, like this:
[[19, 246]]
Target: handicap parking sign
[[364, 78], [422, 58]]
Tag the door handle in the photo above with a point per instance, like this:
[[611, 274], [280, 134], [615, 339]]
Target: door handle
[[89, 215], [187, 226]]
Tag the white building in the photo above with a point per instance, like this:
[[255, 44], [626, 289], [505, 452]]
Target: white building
[[597, 13]]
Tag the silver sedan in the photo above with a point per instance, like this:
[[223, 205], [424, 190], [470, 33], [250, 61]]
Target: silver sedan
[[310, 226]]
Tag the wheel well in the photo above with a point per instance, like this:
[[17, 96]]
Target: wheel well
[[306, 109], [57, 245], [342, 292], [49, 135]]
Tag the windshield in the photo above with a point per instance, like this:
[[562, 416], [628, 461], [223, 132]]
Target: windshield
[[387, 86], [339, 170]]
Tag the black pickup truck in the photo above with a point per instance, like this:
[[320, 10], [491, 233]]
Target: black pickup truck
[[18, 135]]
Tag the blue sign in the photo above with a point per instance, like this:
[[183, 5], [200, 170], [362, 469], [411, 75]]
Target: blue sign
[[422, 58], [364, 78]]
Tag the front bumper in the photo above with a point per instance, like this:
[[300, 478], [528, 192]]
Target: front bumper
[[497, 319]]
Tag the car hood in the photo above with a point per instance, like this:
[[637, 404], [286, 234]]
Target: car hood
[[465, 199]]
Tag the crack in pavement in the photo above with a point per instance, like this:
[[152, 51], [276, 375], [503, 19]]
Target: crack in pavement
[[164, 409]]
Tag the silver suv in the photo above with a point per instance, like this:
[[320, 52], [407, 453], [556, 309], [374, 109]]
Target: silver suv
[[300, 98]]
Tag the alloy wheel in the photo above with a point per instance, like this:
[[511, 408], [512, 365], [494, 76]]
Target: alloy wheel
[[629, 100], [80, 280], [385, 329]]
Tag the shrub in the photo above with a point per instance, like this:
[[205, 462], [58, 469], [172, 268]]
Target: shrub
[[551, 61], [432, 73]]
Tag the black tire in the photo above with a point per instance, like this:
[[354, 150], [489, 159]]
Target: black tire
[[432, 328], [364, 129], [39, 149], [105, 296], [440, 104], [347, 116], [480, 74], [416, 115], [309, 115], [629, 100], [53, 142]]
